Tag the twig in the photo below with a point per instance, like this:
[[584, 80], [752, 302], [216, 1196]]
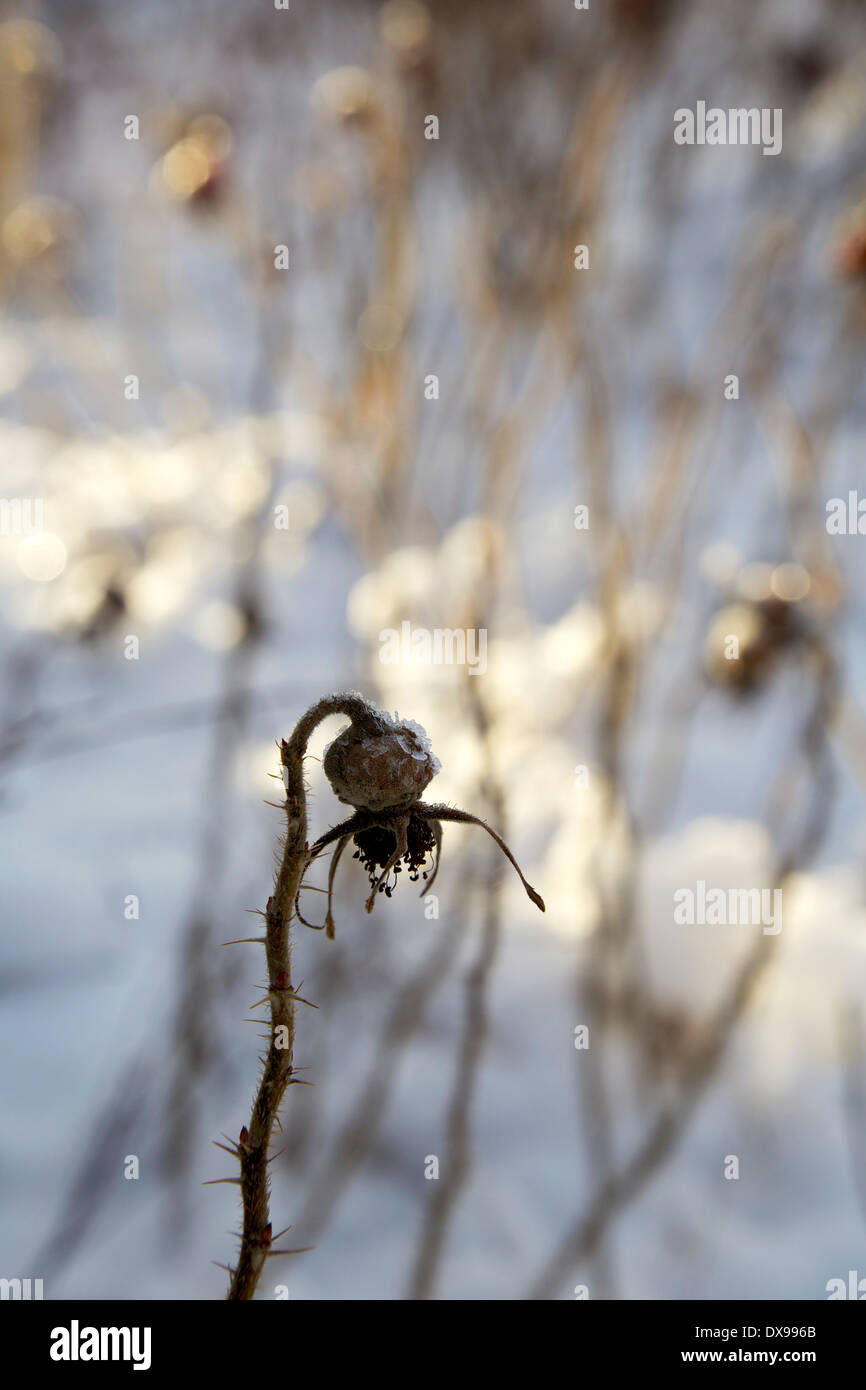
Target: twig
[[358, 1133], [458, 1139], [254, 1142], [667, 1128]]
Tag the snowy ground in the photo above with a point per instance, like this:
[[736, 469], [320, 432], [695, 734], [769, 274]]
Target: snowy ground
[[125, 783]]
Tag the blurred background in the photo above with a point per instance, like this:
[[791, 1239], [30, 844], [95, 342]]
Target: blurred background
[[280, 372]]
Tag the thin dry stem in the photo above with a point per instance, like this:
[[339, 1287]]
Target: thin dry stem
[[254, 1143]]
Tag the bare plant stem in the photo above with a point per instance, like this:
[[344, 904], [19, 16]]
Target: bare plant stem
[[583, 1238], [252, 1147], [363, 1123], [458, 1147], [458, 1126]]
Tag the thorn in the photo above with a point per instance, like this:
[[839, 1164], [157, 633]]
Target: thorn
[[214, 1182], [228, 1269], [235, 1152], [259, 940], [303, 1251], [289, 994]]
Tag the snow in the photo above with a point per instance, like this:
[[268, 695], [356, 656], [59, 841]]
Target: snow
[[149, 777]]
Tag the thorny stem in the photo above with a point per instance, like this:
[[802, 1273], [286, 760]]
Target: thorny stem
[[253, 1145]]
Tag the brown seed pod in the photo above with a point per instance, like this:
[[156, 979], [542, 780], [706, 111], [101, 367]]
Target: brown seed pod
[[379, 766], [372, 769]]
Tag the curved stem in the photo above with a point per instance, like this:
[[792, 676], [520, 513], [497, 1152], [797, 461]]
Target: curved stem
[[437, 850], [394, 858], [254, 1142], [464, 818], [335, 859]]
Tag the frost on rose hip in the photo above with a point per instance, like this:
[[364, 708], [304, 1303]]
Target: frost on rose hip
[[380, 767], [373, 771]]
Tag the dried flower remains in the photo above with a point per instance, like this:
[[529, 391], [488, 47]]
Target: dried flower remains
[[381, 766]]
